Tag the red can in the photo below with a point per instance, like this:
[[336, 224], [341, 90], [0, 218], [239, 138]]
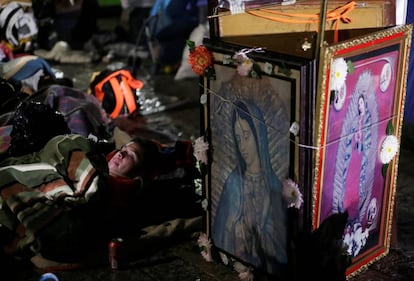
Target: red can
[[115, 252]]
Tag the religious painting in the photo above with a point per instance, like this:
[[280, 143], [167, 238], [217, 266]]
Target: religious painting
[[361, 102], [252, 123]]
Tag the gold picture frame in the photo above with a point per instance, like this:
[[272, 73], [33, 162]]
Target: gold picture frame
[[362, 84]]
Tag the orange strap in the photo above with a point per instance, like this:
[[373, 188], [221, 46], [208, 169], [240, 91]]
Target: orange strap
[[119, 97], [122, 91], [335, 15], [128, 95]]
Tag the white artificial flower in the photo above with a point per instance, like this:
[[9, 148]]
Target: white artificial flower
[[244, 68], [245, 273], [291, 194], [200, 149], [198, 166], [239, 267], [389, 148], [224, 258], [204, 243], [294, 128], [204, 204], [207, 256], [246, 276], [268, 68], [240, 57], [198, 183], [203, 99], [227, 59], [338, 74]]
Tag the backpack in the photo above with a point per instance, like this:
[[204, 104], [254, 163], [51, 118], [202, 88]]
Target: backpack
[[82, 112], [30, 132], [115, 90]]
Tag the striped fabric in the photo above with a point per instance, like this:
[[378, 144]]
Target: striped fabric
[[36, 188]]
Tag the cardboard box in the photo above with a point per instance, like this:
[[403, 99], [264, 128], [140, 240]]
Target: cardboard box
[[296, 44], [363, 14]]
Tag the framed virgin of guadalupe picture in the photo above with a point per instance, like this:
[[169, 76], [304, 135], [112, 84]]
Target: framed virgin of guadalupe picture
[[361, 105], [252, 117]]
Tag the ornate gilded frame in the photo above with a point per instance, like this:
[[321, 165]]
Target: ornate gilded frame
[[352, 173]]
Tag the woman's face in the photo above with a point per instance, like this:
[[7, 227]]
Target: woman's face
[[361, 105], [126, 161], [245, 141]]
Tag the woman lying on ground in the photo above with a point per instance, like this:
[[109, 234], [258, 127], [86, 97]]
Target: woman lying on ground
[[69, 199]]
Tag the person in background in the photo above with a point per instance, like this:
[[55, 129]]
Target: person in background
[[172, 23], [135, 14], [64, 20]]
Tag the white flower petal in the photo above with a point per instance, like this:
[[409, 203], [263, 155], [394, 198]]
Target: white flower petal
[[204, 204], [207, 256], [339, 71], [224, 258], [291, 194], [239, 267], [245, 273], [245, 67], [227, 59], [203, 99], [240, 57], [246, 276], [389, 149], [200, 149], [268, 68], [294, 128], [203, 241]]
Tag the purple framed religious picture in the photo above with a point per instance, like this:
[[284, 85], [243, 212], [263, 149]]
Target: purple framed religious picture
[[251, 116], [361, 105]]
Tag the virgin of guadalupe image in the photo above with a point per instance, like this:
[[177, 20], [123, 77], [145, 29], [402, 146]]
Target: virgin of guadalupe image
[[250, 220]]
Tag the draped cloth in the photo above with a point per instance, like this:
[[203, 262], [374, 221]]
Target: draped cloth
[[36, 188]]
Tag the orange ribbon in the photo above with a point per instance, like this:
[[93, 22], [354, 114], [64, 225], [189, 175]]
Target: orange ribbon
[[334, 16]]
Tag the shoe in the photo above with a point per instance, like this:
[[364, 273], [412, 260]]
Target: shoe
[[58, 50]]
